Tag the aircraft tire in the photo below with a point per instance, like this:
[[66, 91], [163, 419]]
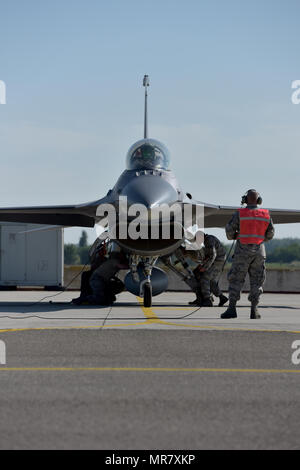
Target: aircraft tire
[[147, 295]]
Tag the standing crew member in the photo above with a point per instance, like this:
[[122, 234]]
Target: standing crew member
[[251, 227]]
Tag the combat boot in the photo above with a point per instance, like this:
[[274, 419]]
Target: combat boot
[[79, 300], [207, 302], [198, 300], [222, 300], [254, 315], [230, 312]]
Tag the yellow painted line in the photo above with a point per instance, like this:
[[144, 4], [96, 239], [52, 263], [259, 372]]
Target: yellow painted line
[[146, 322], [122, 324], [225, 328], [147, 369], [153, 318], [176, 308], [149, 314], [99, 327]]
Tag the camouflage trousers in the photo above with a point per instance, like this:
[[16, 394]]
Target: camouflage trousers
[[99, 280], [245, 262], [209, 280]]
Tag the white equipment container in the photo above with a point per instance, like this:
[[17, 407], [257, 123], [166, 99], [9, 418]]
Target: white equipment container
[[33, 258]]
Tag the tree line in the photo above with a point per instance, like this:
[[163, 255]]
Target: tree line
[[77, 253], [283, 251]]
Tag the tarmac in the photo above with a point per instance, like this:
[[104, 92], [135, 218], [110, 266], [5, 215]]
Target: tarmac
[[127, 377]]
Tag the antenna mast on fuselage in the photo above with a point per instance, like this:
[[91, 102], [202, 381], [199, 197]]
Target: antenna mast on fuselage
[[146, 83]]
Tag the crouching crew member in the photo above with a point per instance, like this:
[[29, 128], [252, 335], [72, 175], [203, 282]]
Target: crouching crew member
[[209, 271], [103, 281], [100, 285]]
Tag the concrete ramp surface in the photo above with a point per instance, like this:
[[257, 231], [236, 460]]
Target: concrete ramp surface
[[128, 377]]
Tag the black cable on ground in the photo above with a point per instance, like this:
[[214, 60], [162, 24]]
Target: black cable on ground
[[63, 290], [226, 259]]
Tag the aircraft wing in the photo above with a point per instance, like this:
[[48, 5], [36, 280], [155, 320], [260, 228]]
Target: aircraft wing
[[81, 215], [219, 216]]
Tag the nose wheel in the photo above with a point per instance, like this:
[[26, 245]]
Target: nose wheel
[[141, 270], [147, 294]]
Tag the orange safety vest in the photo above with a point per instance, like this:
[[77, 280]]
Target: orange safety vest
[[253, 225]]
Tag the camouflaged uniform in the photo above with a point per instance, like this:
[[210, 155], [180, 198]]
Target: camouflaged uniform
[[103, 278], [248, 258], [214, 259]]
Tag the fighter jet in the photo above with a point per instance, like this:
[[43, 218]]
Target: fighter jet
[[147, 182]]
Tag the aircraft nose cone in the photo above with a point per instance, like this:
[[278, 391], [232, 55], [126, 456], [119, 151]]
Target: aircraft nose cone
[[149, 190]]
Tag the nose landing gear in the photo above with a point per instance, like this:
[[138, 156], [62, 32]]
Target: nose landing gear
[[145, 285], [144, 279]]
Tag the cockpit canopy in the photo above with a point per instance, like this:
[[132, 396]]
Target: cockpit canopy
[[148, 154]]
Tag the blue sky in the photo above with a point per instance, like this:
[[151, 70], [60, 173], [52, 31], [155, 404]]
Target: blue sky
[[220, 97]]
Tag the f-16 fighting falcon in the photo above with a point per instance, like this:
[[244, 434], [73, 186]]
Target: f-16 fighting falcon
[[146, 214]]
